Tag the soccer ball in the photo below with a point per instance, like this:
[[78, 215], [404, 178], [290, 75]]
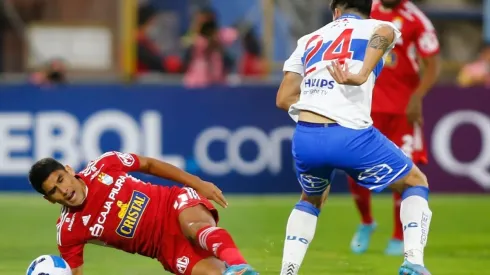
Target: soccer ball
[[49, 265]]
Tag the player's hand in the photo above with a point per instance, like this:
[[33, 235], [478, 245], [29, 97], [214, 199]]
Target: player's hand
[[341, 75], [414, 110], [211, 192]]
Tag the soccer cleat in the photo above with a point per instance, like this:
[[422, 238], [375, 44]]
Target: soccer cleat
[[242, 269], [408, 268], [360, 241], [395, 248]]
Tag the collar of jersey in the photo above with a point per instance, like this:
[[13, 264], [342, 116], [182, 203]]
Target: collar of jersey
[[349, 15]]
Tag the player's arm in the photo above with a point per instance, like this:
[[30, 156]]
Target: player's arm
[[167, 171], [382, 40], [289, 91], [431, 70], [427, 46], [290, 88]]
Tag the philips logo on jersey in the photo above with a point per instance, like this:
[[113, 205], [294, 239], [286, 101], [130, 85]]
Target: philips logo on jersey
[[130, 214], [319, 83]]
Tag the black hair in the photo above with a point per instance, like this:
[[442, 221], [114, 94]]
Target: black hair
[[145, 14], [41, 170], [208, 28], [361, 6]]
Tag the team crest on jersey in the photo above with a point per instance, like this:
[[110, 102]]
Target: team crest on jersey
[[105, 179], [125, 158], [130, 214], [182, 264], [398, 22], [391, 59]]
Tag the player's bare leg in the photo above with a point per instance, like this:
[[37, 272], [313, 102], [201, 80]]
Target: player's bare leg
[[300, 231], [209, 266], [199, 225], [362, 197], [415, 216]]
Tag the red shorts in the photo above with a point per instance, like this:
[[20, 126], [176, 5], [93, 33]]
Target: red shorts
[[404, 134], [178, 254]]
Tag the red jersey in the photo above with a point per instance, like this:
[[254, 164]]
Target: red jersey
[[119, 211], [400, 76]]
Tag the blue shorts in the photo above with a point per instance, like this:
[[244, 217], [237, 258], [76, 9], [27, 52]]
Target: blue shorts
[[366, 155]]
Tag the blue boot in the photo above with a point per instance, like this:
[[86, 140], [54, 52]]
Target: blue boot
[[242, 269], [395, 248], [360, 241], [408, 268]]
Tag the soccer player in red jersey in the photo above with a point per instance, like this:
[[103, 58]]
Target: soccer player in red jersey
[[397, 104], [105, 205]]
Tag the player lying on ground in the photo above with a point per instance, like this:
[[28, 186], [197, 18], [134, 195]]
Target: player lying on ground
[[397, 105], [104, 205], [327, 88]]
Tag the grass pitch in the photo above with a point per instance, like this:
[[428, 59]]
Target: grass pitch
[[459, 241]]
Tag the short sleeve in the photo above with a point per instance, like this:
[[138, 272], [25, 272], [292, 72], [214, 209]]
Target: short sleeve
[[427, 42], [398, 34], [295, 63], [126, 162], [72, 254]]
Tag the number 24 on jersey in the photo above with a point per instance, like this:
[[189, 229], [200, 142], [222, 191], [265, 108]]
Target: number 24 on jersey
[[331, 50]]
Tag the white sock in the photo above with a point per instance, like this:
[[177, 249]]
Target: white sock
[[299, 234], [415, 216]]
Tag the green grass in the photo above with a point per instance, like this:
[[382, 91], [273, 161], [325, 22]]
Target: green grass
[[459, 242]]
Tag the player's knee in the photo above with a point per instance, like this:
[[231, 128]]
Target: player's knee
[[191, 230], [416, 178], [310, 204], [193, 219], [209, 266]]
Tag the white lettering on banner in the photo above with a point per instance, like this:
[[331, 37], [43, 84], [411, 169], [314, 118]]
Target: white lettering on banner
[[14, 142], [110, 120], [59, 132], [478, 168], [268, 156]]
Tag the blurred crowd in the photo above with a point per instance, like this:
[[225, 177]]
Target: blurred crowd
[[204, 51], [204, 57]]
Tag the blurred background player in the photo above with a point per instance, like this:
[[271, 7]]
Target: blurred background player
[[397, 104]]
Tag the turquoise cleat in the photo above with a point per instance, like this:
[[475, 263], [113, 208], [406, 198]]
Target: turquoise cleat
[[242, 269], [408, 268], [395, 248], [360, 241]]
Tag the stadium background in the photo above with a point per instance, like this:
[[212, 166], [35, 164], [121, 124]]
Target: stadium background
[[230, 133]]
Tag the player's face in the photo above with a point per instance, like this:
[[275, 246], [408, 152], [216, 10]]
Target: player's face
[[390, 3], [64, 188]]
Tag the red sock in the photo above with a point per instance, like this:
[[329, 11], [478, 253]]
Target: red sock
[[398, 228], [220, 242], [362, 197]]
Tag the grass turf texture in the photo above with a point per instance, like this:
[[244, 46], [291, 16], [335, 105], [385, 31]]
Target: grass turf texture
[[459, 241]]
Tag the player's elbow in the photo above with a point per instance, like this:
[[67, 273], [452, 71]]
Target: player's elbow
[[281, 103], [289, 90], [433, 65], [145, 164]]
